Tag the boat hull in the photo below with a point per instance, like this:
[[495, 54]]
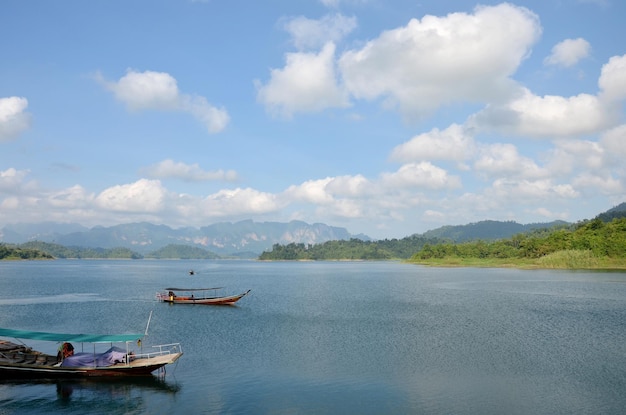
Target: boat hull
[[230, 300], [137, 368]]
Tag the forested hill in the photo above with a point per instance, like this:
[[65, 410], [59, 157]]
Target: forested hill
[[405, 248], [617, 212], [587, 245], [13, 252], [487, 230], [354, 249]]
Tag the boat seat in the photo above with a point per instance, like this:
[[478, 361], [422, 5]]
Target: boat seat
[[29, 359]]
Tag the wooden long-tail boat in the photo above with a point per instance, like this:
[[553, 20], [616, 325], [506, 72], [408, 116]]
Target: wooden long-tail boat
[[188, 296], [20, 361]]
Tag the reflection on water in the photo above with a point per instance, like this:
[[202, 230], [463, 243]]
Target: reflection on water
[[334, 338], [61, 298], [83, 396]]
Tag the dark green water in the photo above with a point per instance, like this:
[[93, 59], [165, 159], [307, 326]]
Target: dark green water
[[333, 338]]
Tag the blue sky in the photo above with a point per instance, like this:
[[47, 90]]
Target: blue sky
[[388, 118]]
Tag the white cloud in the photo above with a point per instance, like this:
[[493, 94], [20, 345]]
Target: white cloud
[[311, 191], [233, 202], [169, 169], [614, 143], [613, 79], [306, 84], [351, 186], [422, 175], [313, 34], [441, 60], [73, 198], [11, 180], [215, 119], [141, 196], [535, 190], [503, 160], [151, 90], [568, 52], [549, 116], [553, 116], [453, 143], [13, 117], [326, 191], [146, 90], [579, 154], [593, 184]]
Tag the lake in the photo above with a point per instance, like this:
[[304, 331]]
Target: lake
[[332, 338]]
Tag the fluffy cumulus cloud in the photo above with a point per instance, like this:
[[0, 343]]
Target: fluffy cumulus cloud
[[306, 84], [429, 63], [577, 154], [329, 190], [312, 34], [453, 143], [13, 117], [151, 90], [520, 191], [441, 60], [234, 202], [614, 142], [549, 116], [169, 169], [422, 175], [141, 196], [73, 198], [592, 184], [12, 180], [503, 160], [311, 191], [568, 52], [613, 79]]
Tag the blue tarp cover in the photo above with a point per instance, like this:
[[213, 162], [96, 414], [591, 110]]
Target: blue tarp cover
[[108, 358], [64, 337]]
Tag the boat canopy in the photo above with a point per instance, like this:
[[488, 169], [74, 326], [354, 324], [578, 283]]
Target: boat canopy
[[61, 337], [193, 289]]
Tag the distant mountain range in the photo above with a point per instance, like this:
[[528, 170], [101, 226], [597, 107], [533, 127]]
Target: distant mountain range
[[245, 239]]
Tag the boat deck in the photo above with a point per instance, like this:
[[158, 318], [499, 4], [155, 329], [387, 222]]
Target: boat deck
[[18, 354]]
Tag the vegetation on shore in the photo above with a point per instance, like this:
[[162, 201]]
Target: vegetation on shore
[[353, 249], [8, 252], [75, 252], [596, 244], [45, 250], [589, 245]]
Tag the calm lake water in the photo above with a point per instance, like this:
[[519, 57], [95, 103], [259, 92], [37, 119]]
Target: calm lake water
[[333, 338]]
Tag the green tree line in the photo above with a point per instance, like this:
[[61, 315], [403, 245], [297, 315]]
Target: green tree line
[[15, 252], [598, 238], [353, 249], [46, 250]]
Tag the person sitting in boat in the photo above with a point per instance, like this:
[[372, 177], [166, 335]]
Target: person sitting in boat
[[65, 350]]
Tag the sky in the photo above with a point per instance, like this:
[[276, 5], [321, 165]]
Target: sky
[[385, 117]]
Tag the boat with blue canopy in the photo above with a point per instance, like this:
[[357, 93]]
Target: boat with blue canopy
[[17, 360]]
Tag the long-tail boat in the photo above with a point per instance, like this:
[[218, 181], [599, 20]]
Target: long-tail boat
[[188, 296], [17, 360]]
